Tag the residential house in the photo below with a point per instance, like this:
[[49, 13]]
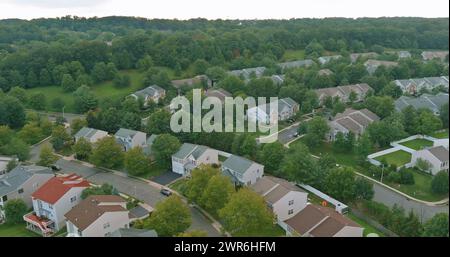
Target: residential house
[[190, 156], [91, 135], [355, 56], [372, 65], [97, 216], [326, 59], [129, 138], [4, 160], [52, 201], [219, 93], [343, 92], [355, 121], [151, 93], [197, 80], [319, 221], [403, 54], [134, 232], [295, 64], [268, 114], [21, 182], [325, 72], [430, 55], [242, 171], [436, 156], [285, 199], [249, 73], [433, 103], [417, 85], [277, 79]]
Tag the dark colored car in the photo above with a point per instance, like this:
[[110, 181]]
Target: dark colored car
[[55, 167], [165, 192]]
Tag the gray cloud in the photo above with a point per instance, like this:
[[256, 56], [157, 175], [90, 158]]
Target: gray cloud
[[58, 3]]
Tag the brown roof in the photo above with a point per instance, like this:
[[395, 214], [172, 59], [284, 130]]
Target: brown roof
[[273, 189], [370, 114], [350, 125], [361, 119], [219, 93], [319, 221], [93, 207], [439, 152]]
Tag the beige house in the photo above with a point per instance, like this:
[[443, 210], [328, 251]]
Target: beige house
[[372, 65], [129, 138], [436, 156], [152, 93], [97, 216], [319, 221], [242, 171], [344, 92], [355, 121], [284, 198], [430, 55], [190, 156], [219, 93], [90, 134]]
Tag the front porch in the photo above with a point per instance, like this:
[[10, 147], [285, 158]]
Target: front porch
[[40, 225]]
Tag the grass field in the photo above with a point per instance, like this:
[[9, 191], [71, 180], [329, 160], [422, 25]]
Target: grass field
[[417, 144], [397, 158], [440, 134], [293, 55], [367, 227], [17, 230]]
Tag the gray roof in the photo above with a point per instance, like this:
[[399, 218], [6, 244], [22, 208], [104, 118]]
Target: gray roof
[[86, 132], [139, 212], [16, 177], [258, 71], [237, 164], [354, 57], [439, 152], [425, 101], [326, 59], [133, 232], [190, 149], [123, 132], [296, 64], [149, 91], [148, 146]]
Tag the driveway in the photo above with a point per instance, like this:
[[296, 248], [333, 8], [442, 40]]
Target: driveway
[[166, 177], [133, 187], [35, 150]]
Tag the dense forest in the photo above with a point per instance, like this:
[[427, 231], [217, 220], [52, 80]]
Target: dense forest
[[41, 52]]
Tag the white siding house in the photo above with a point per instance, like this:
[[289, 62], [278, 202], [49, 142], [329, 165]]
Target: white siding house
[[436, 156], [190, 156], [242, 171]]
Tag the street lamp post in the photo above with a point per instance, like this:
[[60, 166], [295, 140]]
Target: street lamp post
[[382, 172]]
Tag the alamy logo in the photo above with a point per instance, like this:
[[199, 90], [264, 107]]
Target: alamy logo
[[234, 115]]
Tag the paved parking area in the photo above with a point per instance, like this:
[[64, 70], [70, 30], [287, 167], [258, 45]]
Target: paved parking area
[[166, 177]]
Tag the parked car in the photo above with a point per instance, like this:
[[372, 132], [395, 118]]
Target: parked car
[[295, 135], [166, 192], [291, 120], [55, 167]]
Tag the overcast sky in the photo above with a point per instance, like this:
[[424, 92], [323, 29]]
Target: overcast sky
[[225, 9]]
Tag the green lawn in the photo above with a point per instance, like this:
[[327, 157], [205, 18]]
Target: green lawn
[[367, 227], [293, 55], [397, 158], [179, 185], [18, 230], [440, 134], [421, 188], [417, 144], [155, 170]]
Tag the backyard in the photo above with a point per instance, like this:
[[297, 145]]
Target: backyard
[[440, 134], [417, 144], [15, 230], [368, 229], [397, 158]]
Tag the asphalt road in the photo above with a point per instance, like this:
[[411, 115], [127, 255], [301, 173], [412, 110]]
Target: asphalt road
[[287, 135], [389, 198], [36, 150], [135, 188]]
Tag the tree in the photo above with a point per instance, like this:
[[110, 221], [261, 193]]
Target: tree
[[107, 153], [19, 93], [145, 63], [436, 226], [136, 162], [84, 99], [38, 101], [82, 149], [411, 120], [131, 120], [271, 155], [67, 83], [298, 165], [170, 217], [14, 211], [158, 122], [12, 112], [340, 183], [60, 138], [316, 129], [382, 106], [423, 164], [104, 189], [439, 183], [364, 189], [194, 233], [262, 87], [46, 157], [57, 103], [16, 147], [215, 73], [428, 122], [246, 213], [31, 133], [200, 66], [121, 81], [406, 176], [77, 124], [338, 107], [200, 177], [217, 193], [443, 115], [164, 147]]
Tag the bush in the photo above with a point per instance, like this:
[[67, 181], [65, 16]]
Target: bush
[[393, 177], [14, 211], [439, 183], [406, 177]]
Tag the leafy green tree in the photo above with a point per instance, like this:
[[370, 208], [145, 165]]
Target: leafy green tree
[[68, 83], [82, 149], [170, 217], [246, 213], [121, 81], [200, 66], [217, 193], [439, 183], [411, 120], [16, 147], [382, 106], [262, 87], [31, 133], [60, 138], [38, 101], [19, 93], [145, 63], [11, 165], [436, 226], [200, 177], [12, 112], [131, 121], [84, 99], [298, 165], [45, 78], [136, 162], [271, 155], [14, 211], [244, 145], [215, 73], [46, 157], [443, 115], [107, 153], [164, 147], [77, 124], [104, 189], [158, 122], [428, 122], [364, 189], [57, 103], [340, 183]]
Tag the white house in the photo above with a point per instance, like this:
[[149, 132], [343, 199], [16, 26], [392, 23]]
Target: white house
[[242, 171], [152, 93], [129, 138], [416, 85], [90, 134], [190, 156], [326, 59], [271, 113], [97, 216], [436, 156], [319, 221], [284, 198], [52, 200], [372, 65], [355, 121]]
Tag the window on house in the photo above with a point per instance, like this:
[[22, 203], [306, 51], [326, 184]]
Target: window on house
[[291, 202], [73, 199], [290, 211], [50, 207], [108, 234], [20, 191], [4, 198], [106, 225]]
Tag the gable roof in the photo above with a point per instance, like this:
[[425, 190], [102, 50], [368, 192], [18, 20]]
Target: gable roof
[[237, 163], [57, 187], [440, 152], [273, 189], [12, 180], [87, 132], [219, 93], [188, 149], [92, 208], [431, 102], [149, 91], [354, 56], [123, 132], [355, 120]]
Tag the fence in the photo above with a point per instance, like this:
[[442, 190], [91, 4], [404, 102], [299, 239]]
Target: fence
[[373, 223], [340, 207]]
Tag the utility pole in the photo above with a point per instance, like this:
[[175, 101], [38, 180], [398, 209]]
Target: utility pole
[[382, 172]]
